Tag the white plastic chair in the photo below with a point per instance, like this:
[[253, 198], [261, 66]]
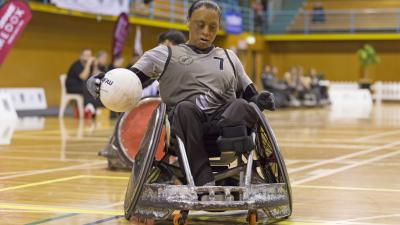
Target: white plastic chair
[[66, 97]]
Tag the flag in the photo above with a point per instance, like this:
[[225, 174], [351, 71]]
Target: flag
[[120, 34], [14, 17]]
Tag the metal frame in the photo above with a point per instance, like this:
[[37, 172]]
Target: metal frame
[[272, 201]]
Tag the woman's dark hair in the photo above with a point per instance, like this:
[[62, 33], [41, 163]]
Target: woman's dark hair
[[174, 36], [206, 3]]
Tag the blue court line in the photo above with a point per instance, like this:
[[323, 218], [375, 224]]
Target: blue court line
[[104, 220], [52, 219]]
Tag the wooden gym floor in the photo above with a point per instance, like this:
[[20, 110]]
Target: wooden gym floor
[[344, 168]]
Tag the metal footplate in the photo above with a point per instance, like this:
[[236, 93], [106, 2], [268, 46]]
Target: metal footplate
[[157, 200]]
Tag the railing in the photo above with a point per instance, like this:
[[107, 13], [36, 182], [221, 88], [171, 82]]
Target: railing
[[300, 21], [175, 11], [351, 20]]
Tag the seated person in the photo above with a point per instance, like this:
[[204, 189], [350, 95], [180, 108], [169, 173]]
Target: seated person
[[199, 84], [78, 73], [318, 13], [272, 84], [100, 64]]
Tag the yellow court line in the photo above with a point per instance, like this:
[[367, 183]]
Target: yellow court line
[[305, 223], [60, 209], [331, 37], [20, 211], [40, 183], [61, 180], [107, 177], [345, 188], [301, 223]]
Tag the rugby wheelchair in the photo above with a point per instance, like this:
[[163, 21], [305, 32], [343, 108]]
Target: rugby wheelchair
[[249, 170]]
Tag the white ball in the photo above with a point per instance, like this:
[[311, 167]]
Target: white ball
[[120, 90]]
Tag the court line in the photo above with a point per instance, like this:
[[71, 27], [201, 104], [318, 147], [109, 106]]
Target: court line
[[346, 188], [341, 169], [40, 183], [14, 172], [68, 215], [294, 161], [54, 209], [87, 165], [351, 155], [378, 135], [302, 145], [107, 177], [20, 211], [360, 223], [329, 140], [54, 151], [22, 147], [60, 180], [104, 220], [369, 218], [57, 138], [47, 159], [52, 219]]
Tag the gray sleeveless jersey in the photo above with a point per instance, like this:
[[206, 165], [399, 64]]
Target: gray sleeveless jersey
[[209, 78]]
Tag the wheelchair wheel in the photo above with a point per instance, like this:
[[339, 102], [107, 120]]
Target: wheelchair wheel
[[270, 161], [131, 130], [144, 160]]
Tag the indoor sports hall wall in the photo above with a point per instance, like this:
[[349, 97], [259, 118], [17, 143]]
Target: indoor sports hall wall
[[52, 42], [336, 59]]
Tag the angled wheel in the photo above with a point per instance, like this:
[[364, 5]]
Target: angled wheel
[[130, 130], [270, 160], [144, 160]]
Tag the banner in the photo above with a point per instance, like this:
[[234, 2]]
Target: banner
[[233, 23], [14, 16], [137, 47], [105, 7], [120, 34]]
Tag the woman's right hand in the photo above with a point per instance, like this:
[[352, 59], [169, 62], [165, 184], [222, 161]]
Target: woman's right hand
[[93, 85]]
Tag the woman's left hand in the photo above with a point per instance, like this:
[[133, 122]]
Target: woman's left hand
[[264, 100]]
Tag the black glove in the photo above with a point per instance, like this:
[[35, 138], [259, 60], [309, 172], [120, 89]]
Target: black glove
[[264, 100], [93, 85]]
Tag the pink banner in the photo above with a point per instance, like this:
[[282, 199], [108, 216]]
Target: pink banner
[[120, 34], [14, 17]]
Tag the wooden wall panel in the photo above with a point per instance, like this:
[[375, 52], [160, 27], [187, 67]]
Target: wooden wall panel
[[52, 42], [336, 59]]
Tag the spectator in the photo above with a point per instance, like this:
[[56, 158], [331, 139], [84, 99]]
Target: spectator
[[271, 83], [265, 76], [78, 73], [319, 87], [258, 10], [318, 13], [100, 64]]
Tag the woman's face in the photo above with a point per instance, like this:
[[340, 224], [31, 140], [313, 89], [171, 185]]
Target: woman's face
[[203, 27]]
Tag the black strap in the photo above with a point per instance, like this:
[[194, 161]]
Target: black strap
[[144, 79], [166, 62], [230, 60]]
